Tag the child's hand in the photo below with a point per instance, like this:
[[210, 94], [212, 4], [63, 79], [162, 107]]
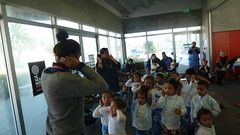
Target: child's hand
[[70, 62], [193, 78], [178, 111], [100, 102]]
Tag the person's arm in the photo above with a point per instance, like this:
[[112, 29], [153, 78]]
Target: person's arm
[[215, 107], [129, 83], [203, 79], [190, 51], [198, 50], [91, 83], [182, 106], [192, 107], [96, 113]]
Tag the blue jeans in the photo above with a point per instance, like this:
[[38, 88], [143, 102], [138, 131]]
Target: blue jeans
[[156, 121], [142, 132], [104, 129]]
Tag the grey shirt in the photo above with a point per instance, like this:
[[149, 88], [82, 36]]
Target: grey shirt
[[64, 93]]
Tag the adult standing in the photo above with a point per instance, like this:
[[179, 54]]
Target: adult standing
[[154, 64], [130, 67], [166, 61], [108, 68], [194, 56], [64, 91]]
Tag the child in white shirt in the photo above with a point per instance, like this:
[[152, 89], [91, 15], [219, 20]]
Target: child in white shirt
[[156, 113], [172, 107], [134, 83], [104, 104], [116, 117], [205, 121], [203, 100], [142, 115], [188, 91]]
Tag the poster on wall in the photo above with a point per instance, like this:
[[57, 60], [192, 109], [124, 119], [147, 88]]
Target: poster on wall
[[36, 69], [91, 60]]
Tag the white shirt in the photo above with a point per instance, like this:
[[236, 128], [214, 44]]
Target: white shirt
[[116, 125], [102, 112], [133, 85], [206, 102], [142, 117], [156, 94], [189, 90], [202, 130], [168, 105]]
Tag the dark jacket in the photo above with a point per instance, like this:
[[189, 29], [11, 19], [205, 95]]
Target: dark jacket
[[157, 60], [109, 72]]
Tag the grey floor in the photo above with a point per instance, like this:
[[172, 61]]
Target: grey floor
[[227, 123]]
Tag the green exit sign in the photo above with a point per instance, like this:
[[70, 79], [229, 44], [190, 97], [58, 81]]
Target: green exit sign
[[186, 10]]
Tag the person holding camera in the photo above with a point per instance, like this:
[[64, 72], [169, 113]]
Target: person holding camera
[[194, 56], [108, 68], [64, 92]]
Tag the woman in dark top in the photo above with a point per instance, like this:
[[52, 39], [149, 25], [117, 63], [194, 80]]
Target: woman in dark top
[[108, 68]]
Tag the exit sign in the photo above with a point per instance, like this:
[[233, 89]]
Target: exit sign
[[186, 10]]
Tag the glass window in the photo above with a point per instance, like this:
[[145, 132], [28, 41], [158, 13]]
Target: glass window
[[159, 32], [112, 34], [6, 113], [103, 42], [182, 47], [88, 28], [194, 28], [31, 44], [66, 23], [162, 43], [90, 50], [136, 50], [115, 48], [180, 30], [76, 38], [27, 14], [135, 34], [101, 31], [118, 35]]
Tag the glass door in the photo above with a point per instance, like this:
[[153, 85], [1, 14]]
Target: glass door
[[89, 50], [182, 44], [7, 125]]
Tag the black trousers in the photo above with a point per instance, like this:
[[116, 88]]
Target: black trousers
[[220, 76]]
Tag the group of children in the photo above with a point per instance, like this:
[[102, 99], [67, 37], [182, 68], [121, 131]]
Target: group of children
[[170, 106]]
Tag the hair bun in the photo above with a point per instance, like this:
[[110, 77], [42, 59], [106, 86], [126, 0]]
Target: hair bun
[[62, 36]]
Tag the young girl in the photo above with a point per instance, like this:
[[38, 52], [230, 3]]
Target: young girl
[[156, 113], [172, 107], [205, 120], [142, 115], [134, 83], [116, 117], [104, 105]]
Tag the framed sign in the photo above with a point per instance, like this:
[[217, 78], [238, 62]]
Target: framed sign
[[36, 69]]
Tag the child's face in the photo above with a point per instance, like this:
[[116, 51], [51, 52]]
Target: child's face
[[201, 90], [106, 99], [141, 99], [113, 109], [148, 82], [136, 78], [206, 120], [188, 77], [169, 89]]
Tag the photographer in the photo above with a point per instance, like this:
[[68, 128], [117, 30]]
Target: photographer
[[108, 68], [64, 91]]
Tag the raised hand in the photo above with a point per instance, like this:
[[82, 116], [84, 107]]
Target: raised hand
[[178, 111], [70, 62]]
